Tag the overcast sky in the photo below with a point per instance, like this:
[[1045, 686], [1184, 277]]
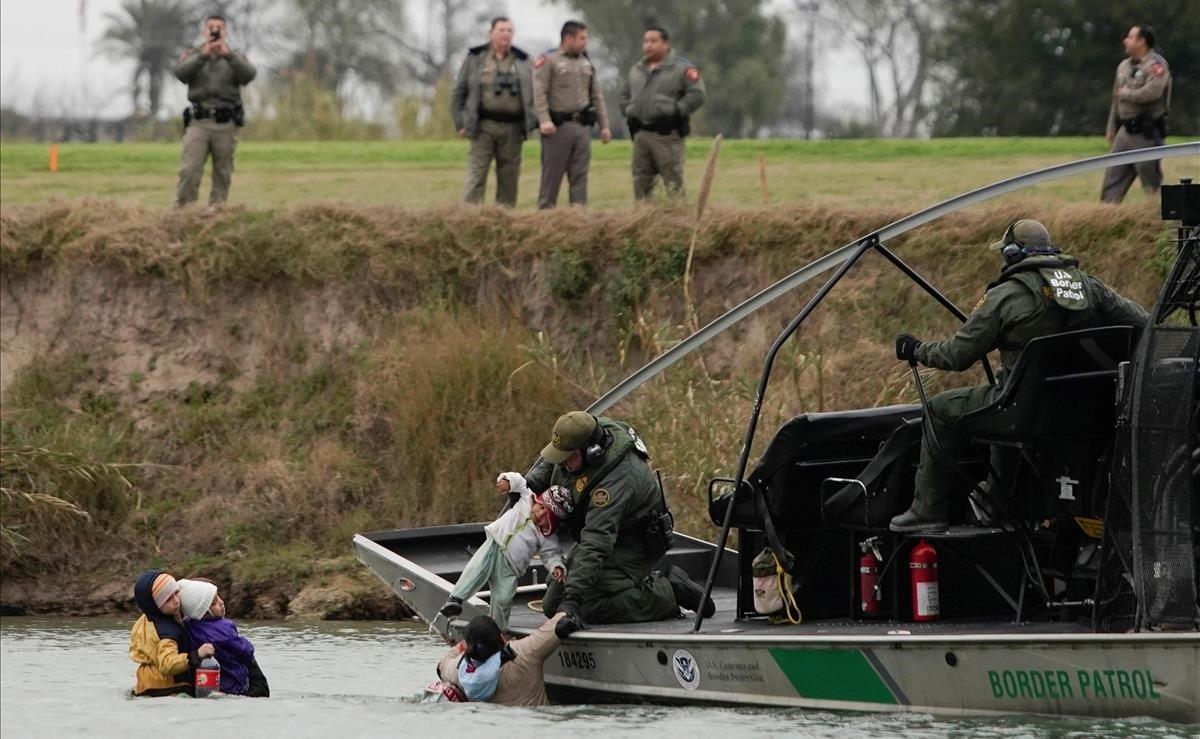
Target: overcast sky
[[49, 64]]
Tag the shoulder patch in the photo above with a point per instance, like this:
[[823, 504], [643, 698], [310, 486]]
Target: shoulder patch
[[1157, 69], [539, 62], [692, 74], [600, 497]]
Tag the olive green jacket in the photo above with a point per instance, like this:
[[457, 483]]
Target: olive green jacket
[[214, 81], [464, 99], [1020, 307], [614, 500], [673, 89]]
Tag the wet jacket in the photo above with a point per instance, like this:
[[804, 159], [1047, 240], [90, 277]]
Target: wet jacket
[[1038, 296], [518, 537], [669, 93], [465, 99], [233, 651], [214, 81], [159, 645], [615, 500], [522, 676]]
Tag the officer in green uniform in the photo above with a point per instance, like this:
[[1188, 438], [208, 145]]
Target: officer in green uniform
[[568, 101], [492, 104], [214, 75], [618, 505], [661, 94], [1040, 292], [1137, 118]]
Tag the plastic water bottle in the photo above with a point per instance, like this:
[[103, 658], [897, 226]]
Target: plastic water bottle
[[208, 677]]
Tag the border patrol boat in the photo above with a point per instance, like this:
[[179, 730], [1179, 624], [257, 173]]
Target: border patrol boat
[[1079, 600]]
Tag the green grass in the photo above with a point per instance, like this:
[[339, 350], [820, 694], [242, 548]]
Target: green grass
[[422, 173]]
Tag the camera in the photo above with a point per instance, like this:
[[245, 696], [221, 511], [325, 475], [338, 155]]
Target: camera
[[214, 34]]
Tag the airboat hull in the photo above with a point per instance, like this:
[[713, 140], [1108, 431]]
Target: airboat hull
[[958, 669]]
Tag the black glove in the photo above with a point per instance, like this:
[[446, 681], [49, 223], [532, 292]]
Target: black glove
[[906, 347], [570, 622]]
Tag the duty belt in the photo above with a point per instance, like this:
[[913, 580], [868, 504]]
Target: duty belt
[[235, 113], [585, 117]]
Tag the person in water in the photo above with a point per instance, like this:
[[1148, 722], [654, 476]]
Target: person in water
[[529, 526], [158, 642], [204, 619], [486, 666]]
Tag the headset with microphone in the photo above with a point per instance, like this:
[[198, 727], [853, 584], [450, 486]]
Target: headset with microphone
[[593, 451]]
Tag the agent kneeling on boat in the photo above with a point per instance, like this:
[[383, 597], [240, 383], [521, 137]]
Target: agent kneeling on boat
[[486, 666], [618, 522], [1040, 292]]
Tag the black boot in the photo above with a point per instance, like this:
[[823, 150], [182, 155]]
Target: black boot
[[452, 608], [689, 593]]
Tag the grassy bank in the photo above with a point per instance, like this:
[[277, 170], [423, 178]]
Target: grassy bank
[[422, 174], [283, 379]]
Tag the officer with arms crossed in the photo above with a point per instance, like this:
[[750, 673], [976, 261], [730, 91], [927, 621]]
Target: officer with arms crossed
[[1020, 306], [618, 524], [492, 105], [1137, 118], [567, 100], [214, 75], [658, 99]]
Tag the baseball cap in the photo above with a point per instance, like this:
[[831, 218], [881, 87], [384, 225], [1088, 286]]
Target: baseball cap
[[1026, 232], [571, 431]]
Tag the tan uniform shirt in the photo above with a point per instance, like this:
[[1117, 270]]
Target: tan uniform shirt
[[1140, 87], [522, 680], [566, 84], [494, 98]]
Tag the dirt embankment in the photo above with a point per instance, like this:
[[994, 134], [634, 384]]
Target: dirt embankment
[[283, 380]]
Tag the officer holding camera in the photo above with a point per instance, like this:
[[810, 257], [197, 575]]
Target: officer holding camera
[[1137, 118], [492, 104], [621, 524], [568, 101], [214, 75]]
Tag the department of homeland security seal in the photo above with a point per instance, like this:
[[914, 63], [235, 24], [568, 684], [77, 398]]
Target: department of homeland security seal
[[686, 671], [600, 497]]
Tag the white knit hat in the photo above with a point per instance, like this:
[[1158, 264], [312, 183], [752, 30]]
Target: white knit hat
[[196, 597]]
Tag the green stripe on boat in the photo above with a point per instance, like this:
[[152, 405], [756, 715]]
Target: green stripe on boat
[[833, 674]]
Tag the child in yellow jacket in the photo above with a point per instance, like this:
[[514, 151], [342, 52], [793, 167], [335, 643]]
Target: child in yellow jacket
[[158, 642]]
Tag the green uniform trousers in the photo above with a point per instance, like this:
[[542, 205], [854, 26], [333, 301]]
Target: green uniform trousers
[[936, 475], [626, 591], [656, 154], [569, 152], [1118, 179], [201, 139], [500, 141]]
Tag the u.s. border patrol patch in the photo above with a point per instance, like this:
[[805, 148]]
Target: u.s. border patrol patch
[[600, 497], [580, 484]]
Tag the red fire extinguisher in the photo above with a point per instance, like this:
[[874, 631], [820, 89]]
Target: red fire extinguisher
[[923, 566], [868, 577]]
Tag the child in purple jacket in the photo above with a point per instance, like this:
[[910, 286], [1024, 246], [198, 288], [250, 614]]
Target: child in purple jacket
[[204, 614]]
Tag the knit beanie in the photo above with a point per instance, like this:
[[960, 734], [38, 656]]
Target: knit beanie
[[163, 588], [196, 597], [559, 504]]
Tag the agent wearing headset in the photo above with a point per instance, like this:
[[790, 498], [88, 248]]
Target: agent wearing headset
[[1041, 291], [620, 522]]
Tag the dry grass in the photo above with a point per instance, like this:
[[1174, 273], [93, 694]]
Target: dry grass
[[464, 349]]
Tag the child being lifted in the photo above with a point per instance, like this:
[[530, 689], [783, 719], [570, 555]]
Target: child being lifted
[[529, 526]]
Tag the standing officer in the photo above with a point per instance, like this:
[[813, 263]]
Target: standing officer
[[1138, 116], [492, 105], [1040, 292], [567, 100], [618, 525], [658, 100], [214, 75]]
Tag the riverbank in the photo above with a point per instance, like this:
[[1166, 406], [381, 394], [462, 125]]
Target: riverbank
[[234, 393]]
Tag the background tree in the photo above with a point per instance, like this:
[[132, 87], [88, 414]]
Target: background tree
[[150, 34], [1028, 67], [738, 46]]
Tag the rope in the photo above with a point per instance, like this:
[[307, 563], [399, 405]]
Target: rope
[[783, 580]]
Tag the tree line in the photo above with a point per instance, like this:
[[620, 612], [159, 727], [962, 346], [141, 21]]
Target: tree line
[[928, 67]]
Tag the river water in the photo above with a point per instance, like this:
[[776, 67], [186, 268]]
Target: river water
[[72, 676]]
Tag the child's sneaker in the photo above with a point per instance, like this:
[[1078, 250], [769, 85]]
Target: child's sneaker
[[452, 608]]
